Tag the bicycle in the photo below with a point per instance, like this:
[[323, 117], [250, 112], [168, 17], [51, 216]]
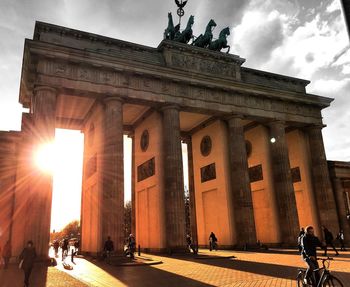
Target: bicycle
[[326, 278]]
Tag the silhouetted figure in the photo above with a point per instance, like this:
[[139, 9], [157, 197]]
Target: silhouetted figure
[[309, 243], [65, 245], [77, 246], [341, 239], [328, 236], [213, 242], [6, 253], [56, 246], [27, 258], [108, 247], [190, 245], [131, 245]]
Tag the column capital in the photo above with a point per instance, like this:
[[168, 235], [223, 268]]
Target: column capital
[[276, 123], [38, 89], [109, 99], [170, 106]]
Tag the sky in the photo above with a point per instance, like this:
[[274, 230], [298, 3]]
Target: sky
[[299, 38]]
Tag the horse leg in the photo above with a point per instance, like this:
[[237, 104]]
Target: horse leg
[[228, 50]]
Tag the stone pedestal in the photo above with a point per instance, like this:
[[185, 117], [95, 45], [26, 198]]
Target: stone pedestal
[[44, 115], [321, 181], [113, 174], [240, 184], [173, 180], [283, 187]]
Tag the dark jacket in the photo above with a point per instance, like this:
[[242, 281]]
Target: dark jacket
[[309, 244], [328, 236], [28, 256], [109, 246]]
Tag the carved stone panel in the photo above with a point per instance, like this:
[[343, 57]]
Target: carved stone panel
[[208, 172], [146, 170], [255, 173], [296, 177]]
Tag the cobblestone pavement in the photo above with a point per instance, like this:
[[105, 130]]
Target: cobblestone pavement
[[255, 269]]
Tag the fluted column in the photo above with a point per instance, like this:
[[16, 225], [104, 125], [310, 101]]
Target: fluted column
[[321, 181], [173, 180], [113, 174], [283, 186], [240, 184], [340, 198], [44, 115]]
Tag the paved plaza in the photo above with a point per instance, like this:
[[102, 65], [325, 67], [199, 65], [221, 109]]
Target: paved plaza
[[272, 268]]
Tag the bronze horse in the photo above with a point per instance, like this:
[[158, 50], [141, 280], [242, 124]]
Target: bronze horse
[[204, 40], [170, 32], [221, 43], [186, 35]]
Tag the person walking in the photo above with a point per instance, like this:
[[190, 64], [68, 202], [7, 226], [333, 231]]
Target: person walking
[[6, 253], [56, 246], [131, 245], [213, 242], [108, 247], [190, 245], [341, 239], [65, 244], [27, 258], [328, 236]]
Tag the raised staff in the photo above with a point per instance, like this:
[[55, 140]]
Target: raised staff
[[180, 11]]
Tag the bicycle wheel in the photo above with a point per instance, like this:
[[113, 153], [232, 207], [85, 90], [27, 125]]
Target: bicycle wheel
[[300, 279], [331, 281]]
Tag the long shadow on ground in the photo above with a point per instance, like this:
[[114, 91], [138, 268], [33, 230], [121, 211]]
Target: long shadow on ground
[[147, 276]]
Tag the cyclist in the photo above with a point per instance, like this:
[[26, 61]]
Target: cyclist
[[309, 243]]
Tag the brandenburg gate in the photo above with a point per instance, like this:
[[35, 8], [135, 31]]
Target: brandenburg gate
[[256, 160]]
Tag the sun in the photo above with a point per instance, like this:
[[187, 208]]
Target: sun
[[45, 157]]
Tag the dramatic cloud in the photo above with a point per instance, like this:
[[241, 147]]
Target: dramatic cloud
[[300, 38]]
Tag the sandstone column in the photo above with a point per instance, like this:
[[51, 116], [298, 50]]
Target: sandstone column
[[321, 181], [113, 174], [283, 186], [193, 219], [173, 180], [240, 184], [340, 198], [44, 115]]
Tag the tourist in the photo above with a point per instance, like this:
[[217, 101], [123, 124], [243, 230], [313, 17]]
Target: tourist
[[27, 258], [328, 236], [108, 247], [131, 245], [190, 244], [309, 243], [213, 242], [65, 244], [74, 250], [56, 246], [6, 253], [341, 239]]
